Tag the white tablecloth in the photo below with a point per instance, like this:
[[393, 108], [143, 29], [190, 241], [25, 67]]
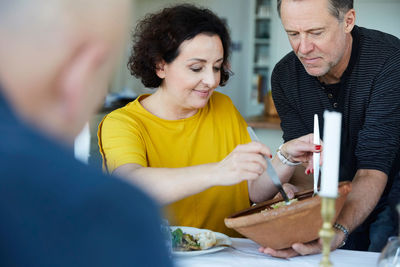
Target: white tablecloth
[[245, 253]]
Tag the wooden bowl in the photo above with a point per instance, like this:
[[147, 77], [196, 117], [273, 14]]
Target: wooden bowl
[[279, 228]]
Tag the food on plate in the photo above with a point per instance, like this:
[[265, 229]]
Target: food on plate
[[186, 242], [183, 242], [206, 239]]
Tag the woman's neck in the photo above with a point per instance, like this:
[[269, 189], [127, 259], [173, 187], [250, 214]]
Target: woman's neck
[[165, 107]]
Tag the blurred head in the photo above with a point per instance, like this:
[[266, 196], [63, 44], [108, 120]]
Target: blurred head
[[159, 38], [57, 57], [319, 32]]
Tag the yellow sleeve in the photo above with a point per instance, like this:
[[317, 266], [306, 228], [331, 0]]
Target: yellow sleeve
[[120, 141]]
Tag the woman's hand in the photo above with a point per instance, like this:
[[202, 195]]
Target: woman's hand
[[301, 150], [245, 162]]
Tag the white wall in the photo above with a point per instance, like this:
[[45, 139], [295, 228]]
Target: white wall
[[279, 42], [383, 15]]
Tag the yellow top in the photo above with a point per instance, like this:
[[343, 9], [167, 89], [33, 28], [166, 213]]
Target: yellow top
[[133, 135]]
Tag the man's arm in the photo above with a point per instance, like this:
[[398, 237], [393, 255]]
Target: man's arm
[[367, 188]]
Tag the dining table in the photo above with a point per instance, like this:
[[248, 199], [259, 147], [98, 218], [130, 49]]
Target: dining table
[[244, 252]]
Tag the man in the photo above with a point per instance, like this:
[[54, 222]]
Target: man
[[56, 58], [338, 66]]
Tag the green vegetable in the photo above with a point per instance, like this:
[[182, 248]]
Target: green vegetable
[[183, 242], [177, 236]]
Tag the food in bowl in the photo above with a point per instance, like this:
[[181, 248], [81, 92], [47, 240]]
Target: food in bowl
[[186, 242], [281, 204]]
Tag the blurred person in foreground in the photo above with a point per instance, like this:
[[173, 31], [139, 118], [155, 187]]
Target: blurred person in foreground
[[56, 58], [186, 144], [336, 65]]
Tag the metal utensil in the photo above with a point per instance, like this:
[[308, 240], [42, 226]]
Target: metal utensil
[[316, 156], [270, 169]]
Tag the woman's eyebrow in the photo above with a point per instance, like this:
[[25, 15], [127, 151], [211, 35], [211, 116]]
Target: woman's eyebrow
[[203, 60]]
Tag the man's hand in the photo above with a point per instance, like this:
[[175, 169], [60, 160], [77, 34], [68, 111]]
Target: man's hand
[[297, 249], [313, 247]]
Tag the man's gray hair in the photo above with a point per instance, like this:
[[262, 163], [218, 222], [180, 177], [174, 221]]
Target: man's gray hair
[[337, 7]]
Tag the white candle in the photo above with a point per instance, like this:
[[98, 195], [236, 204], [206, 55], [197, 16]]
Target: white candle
[[331, 154], [316, 130], [316, 156]]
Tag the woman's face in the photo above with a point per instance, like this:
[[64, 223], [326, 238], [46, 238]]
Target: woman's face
[[191, 78]]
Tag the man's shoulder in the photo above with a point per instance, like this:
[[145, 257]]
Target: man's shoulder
[[36, 169], [288, 62], [377, 40], [289, 70], [74, 204], [377, 52], [28, 157]]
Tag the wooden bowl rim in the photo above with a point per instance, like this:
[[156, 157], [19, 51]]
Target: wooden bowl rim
[[237, 220]]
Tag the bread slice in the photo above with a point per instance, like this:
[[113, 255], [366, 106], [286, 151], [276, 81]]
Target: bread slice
[[206, 239]]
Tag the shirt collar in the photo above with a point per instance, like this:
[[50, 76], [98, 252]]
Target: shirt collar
[[355, 49]]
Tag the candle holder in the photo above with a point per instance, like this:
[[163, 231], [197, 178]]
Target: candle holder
[[326, 233]]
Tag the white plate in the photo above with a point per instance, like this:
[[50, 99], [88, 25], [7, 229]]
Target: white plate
[[221, 239]]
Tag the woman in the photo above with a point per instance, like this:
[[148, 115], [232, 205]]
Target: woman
[[186, 144]]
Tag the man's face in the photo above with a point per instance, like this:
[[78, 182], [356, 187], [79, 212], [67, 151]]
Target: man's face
[[316, 36]]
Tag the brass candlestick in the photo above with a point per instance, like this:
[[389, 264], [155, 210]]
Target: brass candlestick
[[326, 233]]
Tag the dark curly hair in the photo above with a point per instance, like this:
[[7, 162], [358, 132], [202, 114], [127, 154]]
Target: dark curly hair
[[158, 37]]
